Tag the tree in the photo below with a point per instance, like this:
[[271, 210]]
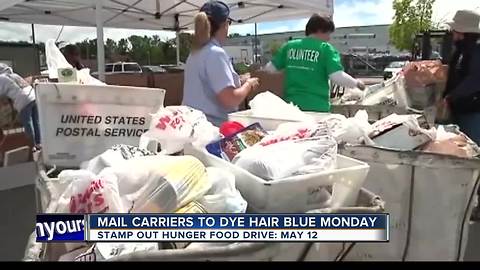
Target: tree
[[110, 48], [411, 18], [169, 52], [122, 47], [141, 49], [234, 35], [92, 48], [84, 48], [186, 40]]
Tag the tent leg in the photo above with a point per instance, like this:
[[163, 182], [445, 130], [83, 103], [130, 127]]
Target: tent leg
[[36, 51], [178, 48], [255, 53], [100, 42]]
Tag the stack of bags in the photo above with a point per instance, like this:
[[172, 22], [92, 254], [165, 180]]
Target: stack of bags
[[127, 179]]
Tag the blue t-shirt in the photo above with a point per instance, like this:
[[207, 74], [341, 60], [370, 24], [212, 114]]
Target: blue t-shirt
[[209, 71]]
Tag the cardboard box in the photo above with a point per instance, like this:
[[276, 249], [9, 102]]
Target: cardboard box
[[390, 132]]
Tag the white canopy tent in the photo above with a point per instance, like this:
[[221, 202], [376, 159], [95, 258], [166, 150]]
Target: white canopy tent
[[172, 15]]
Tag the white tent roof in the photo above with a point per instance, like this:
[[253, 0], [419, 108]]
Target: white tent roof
[[173, 15], [152, 14]]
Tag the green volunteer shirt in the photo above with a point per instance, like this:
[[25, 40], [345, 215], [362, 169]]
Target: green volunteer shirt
[[307, 64]]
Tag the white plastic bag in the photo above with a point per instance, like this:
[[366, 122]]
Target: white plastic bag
[[160, 183], [268, 105], [55, 59], [84, 77], [156, 196], [354, 130], [223, 197], [289, 158], [175, 126], [410, 121], [106, 251], [400, 92], [116, 155], [89, 193], [296, 131], [352, 96]]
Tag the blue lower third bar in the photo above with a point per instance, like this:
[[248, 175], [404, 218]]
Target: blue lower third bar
[[247, 227], [60, 228]]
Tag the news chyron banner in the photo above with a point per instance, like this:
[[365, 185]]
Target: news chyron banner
[[214, 228]]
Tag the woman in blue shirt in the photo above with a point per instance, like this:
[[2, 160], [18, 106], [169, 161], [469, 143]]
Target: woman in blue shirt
[[211, 84]]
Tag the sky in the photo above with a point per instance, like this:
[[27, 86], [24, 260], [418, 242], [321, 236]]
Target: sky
[[347, 13]]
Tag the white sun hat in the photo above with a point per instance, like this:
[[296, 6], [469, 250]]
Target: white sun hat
[[466, 21]]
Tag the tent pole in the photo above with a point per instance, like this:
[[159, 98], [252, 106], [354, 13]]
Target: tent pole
[[256, 45], [178, 48], [36, 51], [100, 42]]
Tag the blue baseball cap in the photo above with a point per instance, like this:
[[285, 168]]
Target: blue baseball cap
[[219, 11]]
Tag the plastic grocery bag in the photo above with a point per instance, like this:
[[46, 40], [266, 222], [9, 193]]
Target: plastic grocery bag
[[84, 77], [114, 156], [175, 126], [400, 92], [352, 96], [55, 59], [289, 158], [89, 193], [296, 131], [268, 105], [223, 197], [354, 130], [160, 183], [106, 251], [156, 196], [412, 123]]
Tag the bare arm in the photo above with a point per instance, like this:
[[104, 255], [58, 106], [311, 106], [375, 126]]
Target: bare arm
[[231, 97]]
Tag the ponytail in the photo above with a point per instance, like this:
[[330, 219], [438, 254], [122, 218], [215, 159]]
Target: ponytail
[[202, 31]]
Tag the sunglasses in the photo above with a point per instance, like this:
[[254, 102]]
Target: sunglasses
[[230, 21]]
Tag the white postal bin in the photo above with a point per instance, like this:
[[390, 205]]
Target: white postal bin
[[246, 118], [297, 194], [70, 106], [79, 122]]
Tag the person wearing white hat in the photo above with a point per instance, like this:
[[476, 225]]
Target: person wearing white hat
[[463, 87]]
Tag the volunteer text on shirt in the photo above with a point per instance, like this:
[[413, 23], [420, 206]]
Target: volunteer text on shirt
[[303, 55]]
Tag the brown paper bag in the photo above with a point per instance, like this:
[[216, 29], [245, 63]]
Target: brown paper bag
[[424, 73]]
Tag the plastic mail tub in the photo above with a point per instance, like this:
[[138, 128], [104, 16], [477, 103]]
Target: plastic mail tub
[[394, 88], [246, 118], [295, 194], [79, 122]]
